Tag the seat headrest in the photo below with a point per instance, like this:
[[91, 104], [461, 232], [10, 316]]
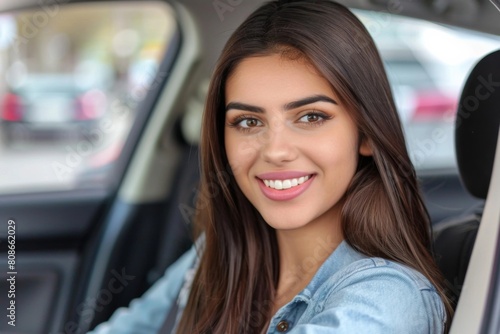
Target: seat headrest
[[477, 124]]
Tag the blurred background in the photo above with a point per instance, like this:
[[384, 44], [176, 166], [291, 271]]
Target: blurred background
[[427, 65], [70, 83], [69, 90]]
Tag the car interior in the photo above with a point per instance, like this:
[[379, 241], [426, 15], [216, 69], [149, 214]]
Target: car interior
[[71, 243], [454, 238]]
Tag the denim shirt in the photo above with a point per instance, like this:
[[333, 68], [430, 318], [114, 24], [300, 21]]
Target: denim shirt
[[350, 293]]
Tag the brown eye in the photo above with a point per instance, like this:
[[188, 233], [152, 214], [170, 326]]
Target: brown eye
[[312, 118], [249, 123]]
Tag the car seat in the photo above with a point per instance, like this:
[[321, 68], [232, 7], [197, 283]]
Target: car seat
[[177, 235], [476, 131]]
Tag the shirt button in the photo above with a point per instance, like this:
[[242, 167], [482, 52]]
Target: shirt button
[[282, 326]]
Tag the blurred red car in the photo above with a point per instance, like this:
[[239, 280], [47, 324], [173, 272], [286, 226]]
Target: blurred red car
[[49, 106]]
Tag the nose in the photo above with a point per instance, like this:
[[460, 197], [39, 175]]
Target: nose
[[278, 147]]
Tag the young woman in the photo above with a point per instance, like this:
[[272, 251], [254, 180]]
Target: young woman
[[310, 216]]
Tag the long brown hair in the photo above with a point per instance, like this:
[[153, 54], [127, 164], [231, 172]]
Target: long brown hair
[[383, 213]]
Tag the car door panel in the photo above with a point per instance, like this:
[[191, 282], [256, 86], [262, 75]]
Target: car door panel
[[58, 233], [50, 230], [43, 289], [50, 216]]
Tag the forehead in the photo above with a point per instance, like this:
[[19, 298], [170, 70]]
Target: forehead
[[275, 78]]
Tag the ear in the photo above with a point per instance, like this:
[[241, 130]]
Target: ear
[[365, 148]]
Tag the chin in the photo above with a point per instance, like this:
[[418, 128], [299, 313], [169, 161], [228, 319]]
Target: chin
[[284, 222]]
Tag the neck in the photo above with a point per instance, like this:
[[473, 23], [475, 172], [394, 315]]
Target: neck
[[301, 253]]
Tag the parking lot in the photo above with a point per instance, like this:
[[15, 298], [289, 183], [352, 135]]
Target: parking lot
[[57, 163]]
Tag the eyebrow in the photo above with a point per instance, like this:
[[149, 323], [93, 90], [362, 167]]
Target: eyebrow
[[289, 106]]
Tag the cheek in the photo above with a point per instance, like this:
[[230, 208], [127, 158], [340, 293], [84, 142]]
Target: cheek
[[338, 157], [240, 152]]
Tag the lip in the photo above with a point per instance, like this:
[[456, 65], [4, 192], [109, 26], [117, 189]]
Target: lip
[[285, 194]]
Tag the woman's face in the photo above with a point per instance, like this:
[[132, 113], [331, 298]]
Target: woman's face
[[292, 147]]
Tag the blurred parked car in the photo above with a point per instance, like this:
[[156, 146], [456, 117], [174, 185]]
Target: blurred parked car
[[50, 105], [423, 105]]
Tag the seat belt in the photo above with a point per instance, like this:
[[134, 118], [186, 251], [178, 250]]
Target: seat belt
[[472, 304], [171, 319]]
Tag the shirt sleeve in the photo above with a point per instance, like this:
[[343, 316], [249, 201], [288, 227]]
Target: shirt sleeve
[[145, 315], [379, 300]]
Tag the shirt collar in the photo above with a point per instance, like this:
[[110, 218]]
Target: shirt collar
[[341, 257]]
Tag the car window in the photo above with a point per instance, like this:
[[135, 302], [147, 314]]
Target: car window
[[427, 65], [71, 79]]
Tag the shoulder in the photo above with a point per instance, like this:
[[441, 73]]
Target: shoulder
[[379, 269], [393, 295]]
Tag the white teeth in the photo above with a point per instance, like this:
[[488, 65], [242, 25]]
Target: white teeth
[[285, 184]]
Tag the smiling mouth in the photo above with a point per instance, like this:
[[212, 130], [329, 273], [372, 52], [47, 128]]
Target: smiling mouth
[[287, 183]]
